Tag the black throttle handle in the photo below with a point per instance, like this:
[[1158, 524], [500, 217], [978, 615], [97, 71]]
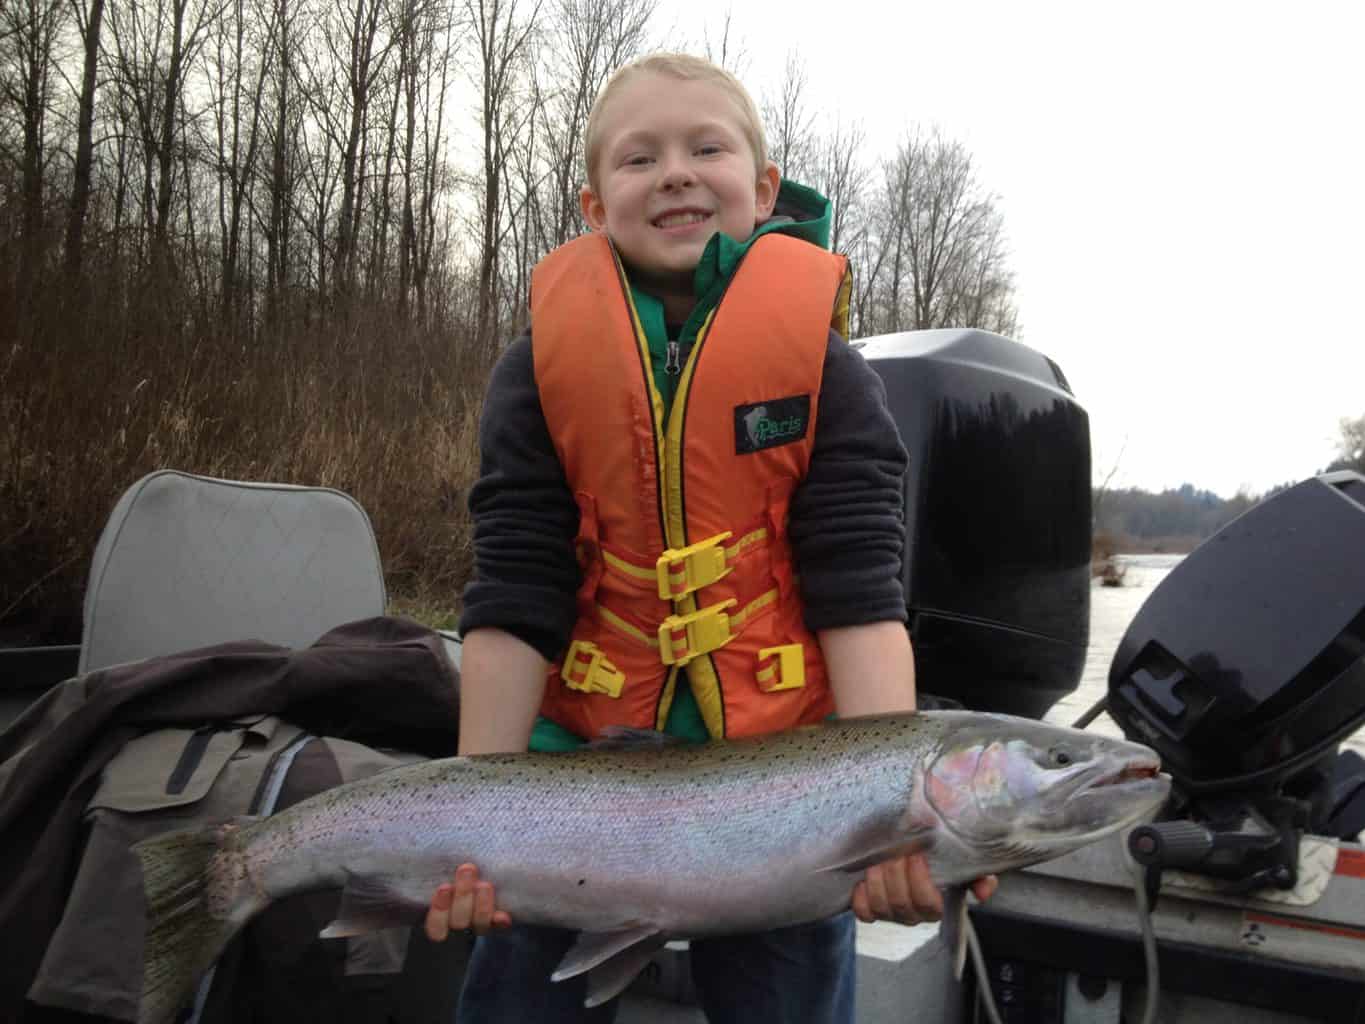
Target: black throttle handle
[[1171, 844]]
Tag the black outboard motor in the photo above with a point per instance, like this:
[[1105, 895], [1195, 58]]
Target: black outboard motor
[[1244, 669], [998, 519]]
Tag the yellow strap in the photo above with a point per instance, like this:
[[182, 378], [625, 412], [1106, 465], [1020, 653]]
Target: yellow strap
[[622, 626], [692, 634], [586, 668], [737, 619], [629, 568], [735, 550], [685, 637], [666, 700], [842, 302], [762, 602], [680, 571], [787, 672], [742, 546]]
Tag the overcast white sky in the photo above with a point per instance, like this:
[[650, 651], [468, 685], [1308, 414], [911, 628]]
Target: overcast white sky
[[1183, 185]]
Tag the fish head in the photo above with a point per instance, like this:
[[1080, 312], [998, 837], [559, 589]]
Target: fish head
[[1016, 791]]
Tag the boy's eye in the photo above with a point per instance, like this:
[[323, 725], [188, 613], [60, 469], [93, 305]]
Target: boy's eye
[[639, 160], [710, 149]]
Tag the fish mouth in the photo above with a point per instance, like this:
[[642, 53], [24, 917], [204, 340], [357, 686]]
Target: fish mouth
[[1135, 772], [1116, 798]]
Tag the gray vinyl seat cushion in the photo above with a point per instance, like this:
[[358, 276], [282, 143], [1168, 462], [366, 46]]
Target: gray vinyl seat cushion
[[186, 561]]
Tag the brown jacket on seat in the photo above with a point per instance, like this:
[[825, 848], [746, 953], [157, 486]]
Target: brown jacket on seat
[[384, 682]]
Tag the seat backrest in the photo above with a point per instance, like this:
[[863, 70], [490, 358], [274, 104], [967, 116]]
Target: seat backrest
[[186, 561]]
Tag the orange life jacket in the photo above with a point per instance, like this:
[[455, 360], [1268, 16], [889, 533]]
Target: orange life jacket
[[682, 536]]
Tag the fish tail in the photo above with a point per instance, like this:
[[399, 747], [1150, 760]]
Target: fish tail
[[198, 896]]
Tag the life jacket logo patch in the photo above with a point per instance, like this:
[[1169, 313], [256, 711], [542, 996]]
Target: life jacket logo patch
[[772, 423]]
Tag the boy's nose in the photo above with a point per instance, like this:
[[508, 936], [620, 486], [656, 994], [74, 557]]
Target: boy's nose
[[677, 173]]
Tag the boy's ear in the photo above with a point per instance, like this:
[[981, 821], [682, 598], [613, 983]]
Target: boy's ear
[[593, 211], [765, 195]]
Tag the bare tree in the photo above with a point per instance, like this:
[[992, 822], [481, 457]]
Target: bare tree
[[28, 34], [944, 243], [589, 40], [241, 65], [725, 51], [88, 20], [1351, 447], [414, 48], [790, 122], [837, 171], [434, 91], [981, 292], [359, 46], [155, 48], [501, 37], [283, 134]]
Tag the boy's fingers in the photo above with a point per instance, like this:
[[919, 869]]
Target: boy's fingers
[[984, 888], [878, 904], [859, 904], [900, 904], [437, 924], [462, 901], [481, 919], [925, 896]]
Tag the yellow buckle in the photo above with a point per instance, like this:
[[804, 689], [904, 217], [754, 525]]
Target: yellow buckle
[[788, 674], [599, 675], [683, 570], [697, 633]]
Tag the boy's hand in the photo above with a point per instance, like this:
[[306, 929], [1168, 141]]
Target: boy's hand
[[901, 890], [466, 903]]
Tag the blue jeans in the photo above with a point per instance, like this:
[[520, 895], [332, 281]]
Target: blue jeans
[[799, 975]]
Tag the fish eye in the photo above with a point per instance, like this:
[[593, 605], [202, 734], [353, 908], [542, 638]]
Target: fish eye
[[1060, 757]]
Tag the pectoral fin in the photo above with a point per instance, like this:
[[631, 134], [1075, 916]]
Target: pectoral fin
[[953, 929], [369, 905], [609, 979], [593, 949], [611, 960]]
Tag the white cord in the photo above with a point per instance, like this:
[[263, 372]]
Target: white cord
[[1148, 947], [983, 979], [1153, 997]]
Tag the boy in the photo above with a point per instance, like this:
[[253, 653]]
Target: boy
[[679, 434]]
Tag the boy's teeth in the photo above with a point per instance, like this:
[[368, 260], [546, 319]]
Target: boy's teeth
[[674, 220]]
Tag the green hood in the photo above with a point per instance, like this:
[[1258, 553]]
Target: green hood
[[800, 212]]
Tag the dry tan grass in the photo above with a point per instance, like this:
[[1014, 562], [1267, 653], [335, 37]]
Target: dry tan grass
[[100, 388]]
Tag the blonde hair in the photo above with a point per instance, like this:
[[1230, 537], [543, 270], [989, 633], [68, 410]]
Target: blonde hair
[[688, 68]]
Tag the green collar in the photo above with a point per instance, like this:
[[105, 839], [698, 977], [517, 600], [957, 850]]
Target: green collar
[[800, 212]]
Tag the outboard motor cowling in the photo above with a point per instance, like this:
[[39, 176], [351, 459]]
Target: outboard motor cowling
[[1248, 660], [1244, 669], [998, 516]]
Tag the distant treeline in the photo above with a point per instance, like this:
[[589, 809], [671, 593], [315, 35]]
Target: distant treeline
[[1173, 520], [1133, 520]]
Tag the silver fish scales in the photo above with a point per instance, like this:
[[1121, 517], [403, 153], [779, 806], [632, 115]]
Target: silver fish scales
[[638, 841]]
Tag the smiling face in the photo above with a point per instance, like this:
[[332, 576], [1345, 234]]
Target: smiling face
[[674, 167]]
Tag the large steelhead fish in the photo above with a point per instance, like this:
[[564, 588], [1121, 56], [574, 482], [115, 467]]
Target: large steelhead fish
[[639, 842]]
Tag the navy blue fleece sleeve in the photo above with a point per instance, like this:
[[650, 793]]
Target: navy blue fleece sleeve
[[846, 524], [525, 518]]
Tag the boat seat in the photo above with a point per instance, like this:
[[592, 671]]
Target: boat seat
[[187, 561]]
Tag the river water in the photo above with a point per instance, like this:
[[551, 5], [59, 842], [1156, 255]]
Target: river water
[[1111, 610]]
